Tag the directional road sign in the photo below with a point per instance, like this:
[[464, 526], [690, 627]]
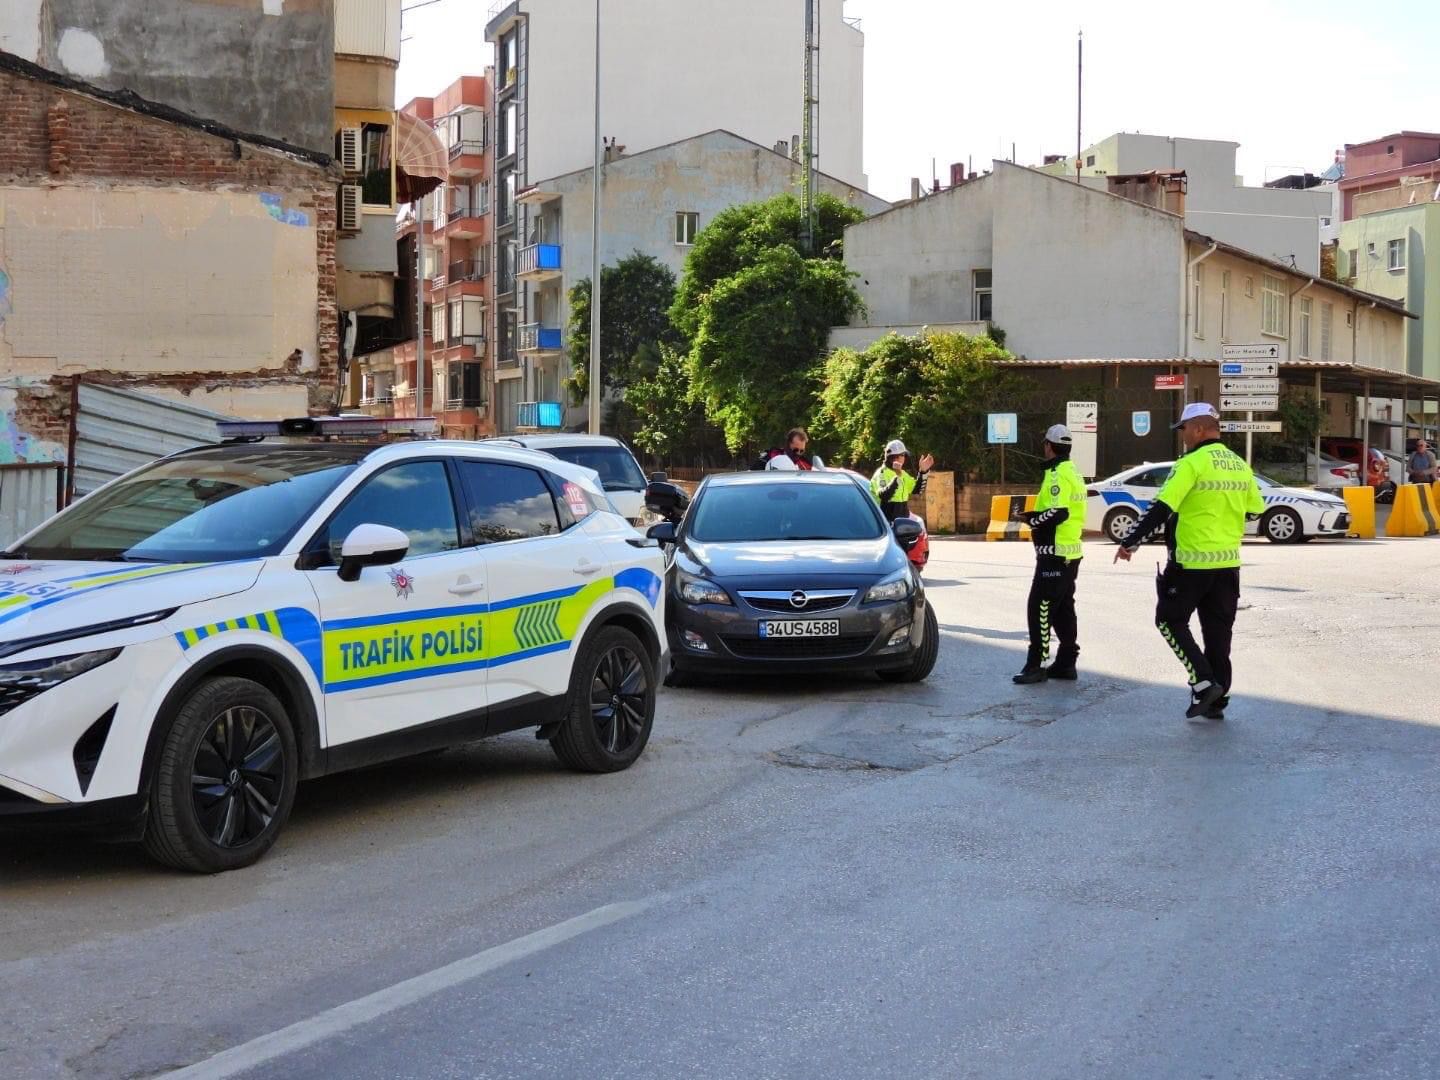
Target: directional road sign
[[1262, 426], [1264, 351], [1250, 371], [1249, 386], [1169, 382], [1249, 403]]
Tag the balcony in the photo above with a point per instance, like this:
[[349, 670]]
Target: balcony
[[539, 262], [466, 222], [539, 416], [535, 338], [472, 269]]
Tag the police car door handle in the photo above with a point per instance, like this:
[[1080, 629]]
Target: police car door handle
[[585, 569], [464, 587]]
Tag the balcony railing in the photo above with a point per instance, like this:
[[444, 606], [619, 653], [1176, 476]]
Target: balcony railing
[[536, 338], [540, 415], [467, 146], [539, 261], [468, 269]]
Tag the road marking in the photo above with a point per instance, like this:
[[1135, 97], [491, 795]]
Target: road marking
[[353, 1014]]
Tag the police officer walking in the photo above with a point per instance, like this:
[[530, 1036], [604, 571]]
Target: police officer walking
[[1206, 500], [1055, 527], [892, 486]]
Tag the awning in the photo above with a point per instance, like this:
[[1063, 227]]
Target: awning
[[422, 163]]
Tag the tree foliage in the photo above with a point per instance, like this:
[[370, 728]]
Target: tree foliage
[[670, 423], [757, 314], [932, 391], [635, 298]]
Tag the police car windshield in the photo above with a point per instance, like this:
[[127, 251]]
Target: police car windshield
[[788, 510], [208, 506], [617, 469]]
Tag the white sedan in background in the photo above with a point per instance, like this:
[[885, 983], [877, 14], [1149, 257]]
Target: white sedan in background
[[1292, 515]]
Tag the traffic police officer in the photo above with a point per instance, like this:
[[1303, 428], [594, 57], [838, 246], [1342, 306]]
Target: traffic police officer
[[892, 486], [1055, 527], [1206, 500]]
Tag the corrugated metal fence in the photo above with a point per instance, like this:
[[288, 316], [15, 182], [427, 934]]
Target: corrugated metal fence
[[29, 493], [118, 430]]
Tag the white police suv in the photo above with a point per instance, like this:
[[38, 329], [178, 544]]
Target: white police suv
[[181, 647], [1292, 515]]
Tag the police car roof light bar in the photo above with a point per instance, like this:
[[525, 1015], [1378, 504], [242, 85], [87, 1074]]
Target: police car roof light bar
[[326, 427]]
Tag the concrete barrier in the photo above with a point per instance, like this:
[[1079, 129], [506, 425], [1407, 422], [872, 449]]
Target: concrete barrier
[[1360, 501], [1413, 513], [1004, 522]]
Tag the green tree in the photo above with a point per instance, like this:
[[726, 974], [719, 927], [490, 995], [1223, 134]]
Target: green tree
[[635, 298], [933, 391], [670, 423]]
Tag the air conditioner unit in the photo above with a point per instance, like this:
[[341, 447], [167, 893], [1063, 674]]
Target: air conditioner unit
[[349, 216], [350, 150]]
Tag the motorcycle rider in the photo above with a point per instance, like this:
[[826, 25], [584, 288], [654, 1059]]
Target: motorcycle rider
[[892, 486], [1055, 527]]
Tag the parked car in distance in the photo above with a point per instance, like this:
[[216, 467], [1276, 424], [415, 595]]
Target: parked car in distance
[[1333, 472], [620, 474], [1292, 515]]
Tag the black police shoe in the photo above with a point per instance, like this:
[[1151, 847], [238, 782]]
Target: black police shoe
[[1202, 701], [1062, 669], [1030, 676], [1217, 711]]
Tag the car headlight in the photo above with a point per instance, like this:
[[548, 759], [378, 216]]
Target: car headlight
[[894, 587], [694, 590], [20, 682]]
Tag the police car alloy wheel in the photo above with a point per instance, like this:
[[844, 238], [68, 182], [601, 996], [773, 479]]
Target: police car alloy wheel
[[226, 778], [1119, 523], [611, 707], [1282, 526]]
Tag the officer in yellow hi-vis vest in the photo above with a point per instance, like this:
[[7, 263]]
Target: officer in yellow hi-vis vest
[[1210, 493], [1055, 526]]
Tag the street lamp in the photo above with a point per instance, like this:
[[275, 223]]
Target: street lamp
[[594, 425]]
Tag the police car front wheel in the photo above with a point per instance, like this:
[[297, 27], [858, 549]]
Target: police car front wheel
[[225, 780], [1282, 526], [611, 704]]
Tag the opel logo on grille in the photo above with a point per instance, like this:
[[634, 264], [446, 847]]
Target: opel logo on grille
[[798, 599]]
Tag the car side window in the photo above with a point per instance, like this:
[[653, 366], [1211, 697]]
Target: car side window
[[414, 497], [1151, 478], [507, 502]]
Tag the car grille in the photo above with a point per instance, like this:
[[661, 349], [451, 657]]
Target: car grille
[[757, 648], [15, 694], [1342, 522], [780, 601]]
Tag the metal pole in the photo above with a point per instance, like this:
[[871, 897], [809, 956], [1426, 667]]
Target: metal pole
[[595, 386], [807, 136], [1079, 96], [1365, 437], [420, 310]]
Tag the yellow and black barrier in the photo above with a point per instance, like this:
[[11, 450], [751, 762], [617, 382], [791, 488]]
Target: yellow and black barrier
[[1414, 512], [1360, 501], [1005, 523]]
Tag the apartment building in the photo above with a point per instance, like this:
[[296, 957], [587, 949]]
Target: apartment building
[[544, 127], [458, 285], [1275, 223]]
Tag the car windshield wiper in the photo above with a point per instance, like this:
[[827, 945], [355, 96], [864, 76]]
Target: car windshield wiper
[[811, 538], [127, 557]]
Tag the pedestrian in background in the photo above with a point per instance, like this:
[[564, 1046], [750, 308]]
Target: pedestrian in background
[[1422, 464], [794, 451], [1056, 524], [1205, 502]]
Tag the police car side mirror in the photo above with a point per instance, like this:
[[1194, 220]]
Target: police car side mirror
[[666, 499], [371, 545]]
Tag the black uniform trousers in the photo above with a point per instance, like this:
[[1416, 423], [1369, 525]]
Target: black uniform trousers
[[1051, 607], [1215, 596]]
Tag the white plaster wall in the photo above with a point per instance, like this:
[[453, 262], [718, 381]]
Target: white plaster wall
[[1082, 274], [154, 280], [915, 263], [672, 70]]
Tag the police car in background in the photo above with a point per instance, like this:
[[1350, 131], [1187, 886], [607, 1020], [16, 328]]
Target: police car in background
[[179, 648], [615, 466], [1292, 515]]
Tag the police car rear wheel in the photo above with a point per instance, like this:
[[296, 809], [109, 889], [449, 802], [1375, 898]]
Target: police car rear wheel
[[226, 778], [1118, 523], [611, 706], [1282, 526]]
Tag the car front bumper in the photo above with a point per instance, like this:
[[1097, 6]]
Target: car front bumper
[[732, 641], [120, 818]]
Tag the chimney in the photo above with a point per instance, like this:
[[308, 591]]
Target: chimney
[[957, 174], [782, 147], [914, 189], [794, 147]]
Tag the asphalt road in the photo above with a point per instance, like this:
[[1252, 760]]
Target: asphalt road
[[829, 878]]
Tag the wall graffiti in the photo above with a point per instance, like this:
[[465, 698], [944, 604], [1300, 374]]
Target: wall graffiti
[[18, 446], [4, 294], [276, 209]]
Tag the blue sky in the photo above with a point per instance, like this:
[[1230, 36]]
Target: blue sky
[[1290, 81]]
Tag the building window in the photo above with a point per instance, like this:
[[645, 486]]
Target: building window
[[509, 127], [509, 53], [1327, 325], [1307, 309], [981, 301], [687, 224], [437, 322], [1224, 304], [507, 197], [1352, 263], [1090, 162], [1197, 301], [456, 327], [1325, 222], [377, 188], [1395, 255], [481, 197], [1249, 287], [1272, 315]]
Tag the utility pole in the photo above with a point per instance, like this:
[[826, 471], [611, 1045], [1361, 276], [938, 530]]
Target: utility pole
[[808, 135], [1079, 96], [595, 385], [420, 306]]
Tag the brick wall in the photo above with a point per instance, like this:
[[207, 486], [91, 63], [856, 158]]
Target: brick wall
[[59, 137]]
